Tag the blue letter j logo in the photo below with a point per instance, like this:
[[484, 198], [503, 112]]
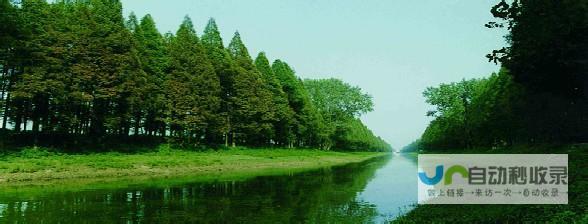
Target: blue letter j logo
[[435, 179]]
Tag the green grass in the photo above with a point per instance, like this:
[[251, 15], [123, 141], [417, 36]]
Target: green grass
[[42, 166], [576, 211]]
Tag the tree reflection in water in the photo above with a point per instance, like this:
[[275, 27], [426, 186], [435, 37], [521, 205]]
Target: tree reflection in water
[[327, 195]]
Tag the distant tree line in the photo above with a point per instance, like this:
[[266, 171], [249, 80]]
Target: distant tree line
[[540, 96], [80, 70], [414, 146], [339, 105]]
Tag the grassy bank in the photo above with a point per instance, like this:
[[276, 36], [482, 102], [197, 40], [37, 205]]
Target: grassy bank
[[576, 211], [33, 165]]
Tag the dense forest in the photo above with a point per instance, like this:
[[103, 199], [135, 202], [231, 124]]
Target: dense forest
[[540, 96], [75, 73]]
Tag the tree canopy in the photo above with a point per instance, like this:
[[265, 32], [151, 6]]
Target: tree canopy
[[539, 96], [80, 71], [340, 106]]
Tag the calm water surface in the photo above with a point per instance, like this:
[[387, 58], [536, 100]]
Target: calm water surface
[[370, 192]]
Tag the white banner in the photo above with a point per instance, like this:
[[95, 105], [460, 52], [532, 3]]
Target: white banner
[[492, 179]]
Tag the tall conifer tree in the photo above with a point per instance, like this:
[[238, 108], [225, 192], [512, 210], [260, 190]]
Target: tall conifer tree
[[252, 98], [192, 87], [279, 99], [225, 70]]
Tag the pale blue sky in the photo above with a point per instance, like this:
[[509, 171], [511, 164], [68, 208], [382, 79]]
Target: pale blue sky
[[391, 49]]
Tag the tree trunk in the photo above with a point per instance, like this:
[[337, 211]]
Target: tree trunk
[[7, 101], [4, 85], [233, 139], [5, 116], [137, 124], [226, 135]]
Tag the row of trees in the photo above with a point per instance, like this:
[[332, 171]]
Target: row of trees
[[541, 94], [414, 146], [340, 106], [78, 68], [475, 113]]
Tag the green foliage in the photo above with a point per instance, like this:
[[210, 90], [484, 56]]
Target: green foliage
[[355, 136], [414, 146], [547, 57], [538, 97], [335, 98], [154, 62], [252, 111], [35, 153], [75, 73], [225, 69], [340, 106], [306, 118], [192, 87], [473, 113], [279, 101], [453, 111]]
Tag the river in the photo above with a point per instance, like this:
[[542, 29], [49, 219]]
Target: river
[[369, 192]]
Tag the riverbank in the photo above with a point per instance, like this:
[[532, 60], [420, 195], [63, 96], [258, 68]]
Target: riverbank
[[35, 165], [576, 211]]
